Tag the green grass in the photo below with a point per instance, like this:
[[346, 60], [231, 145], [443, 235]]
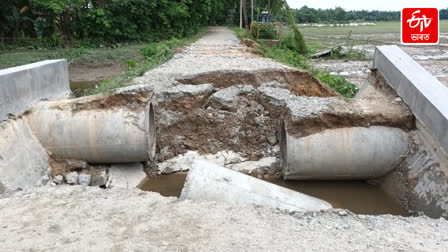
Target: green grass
[[154, 54], [73, 55], [380, 27], [339, 84], [381, 33], [240, 33], [292, 58]]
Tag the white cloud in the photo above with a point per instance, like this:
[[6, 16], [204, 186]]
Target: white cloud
[[368, 5]]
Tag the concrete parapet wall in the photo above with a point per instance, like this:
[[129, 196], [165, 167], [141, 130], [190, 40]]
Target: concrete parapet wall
[[423, 93], [23, 85]]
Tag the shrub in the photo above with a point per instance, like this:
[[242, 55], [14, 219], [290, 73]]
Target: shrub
[[339, 84]]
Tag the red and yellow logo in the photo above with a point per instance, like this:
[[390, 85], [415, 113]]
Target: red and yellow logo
[[420, 26]]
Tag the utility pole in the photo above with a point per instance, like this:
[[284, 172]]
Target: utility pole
[[252, 14], [269, 7], [241, 14]]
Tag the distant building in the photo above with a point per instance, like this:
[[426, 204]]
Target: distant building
[[265, 17]]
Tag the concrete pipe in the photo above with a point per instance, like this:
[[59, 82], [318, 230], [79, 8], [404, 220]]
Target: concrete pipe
[[207, 181], [91, 131], [345, 153]]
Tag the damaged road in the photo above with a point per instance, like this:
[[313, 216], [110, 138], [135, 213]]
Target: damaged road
[[215, 97], [216, 102]]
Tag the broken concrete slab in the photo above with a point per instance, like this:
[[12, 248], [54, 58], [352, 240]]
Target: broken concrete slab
[[23, 85], [226, 98], [207, 181], [422, 92], [23, 161], [228, 159], [126, 176], [99, 179]]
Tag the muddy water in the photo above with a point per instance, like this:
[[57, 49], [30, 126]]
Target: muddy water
[[356, 196], [167, 185], [78, 87]]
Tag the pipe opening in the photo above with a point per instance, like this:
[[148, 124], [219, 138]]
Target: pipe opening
[[151, 133], [283, 148]]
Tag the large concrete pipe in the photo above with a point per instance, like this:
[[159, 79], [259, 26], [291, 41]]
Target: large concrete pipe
[[207, 181], [98, 129], [345, 153]]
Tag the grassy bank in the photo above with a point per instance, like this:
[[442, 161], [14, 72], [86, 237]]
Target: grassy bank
[[21, 56], [151, 56], [139, 57], [283, 52]]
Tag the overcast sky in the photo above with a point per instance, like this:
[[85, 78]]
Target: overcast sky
[[368, 5]]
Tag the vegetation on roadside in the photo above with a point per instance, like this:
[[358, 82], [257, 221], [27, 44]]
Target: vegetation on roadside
[[292, 58], [339, 84], [339, 15], [240, 33], [291, 50], [73, 55], [89, 23], [154, 54]]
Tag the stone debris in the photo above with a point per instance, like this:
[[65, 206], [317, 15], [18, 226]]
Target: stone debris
[[229, 159], [342, 213], [99, 179], [227, 98], [84, 179], [72, 178], [59, 179]]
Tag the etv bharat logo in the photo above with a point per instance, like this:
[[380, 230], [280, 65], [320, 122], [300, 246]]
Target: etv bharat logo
[[419, 26]]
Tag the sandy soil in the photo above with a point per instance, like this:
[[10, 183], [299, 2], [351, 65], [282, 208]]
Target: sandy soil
[[91, 219]]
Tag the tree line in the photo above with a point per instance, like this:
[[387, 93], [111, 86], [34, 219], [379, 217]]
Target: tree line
[[57, 22], [339, 15]]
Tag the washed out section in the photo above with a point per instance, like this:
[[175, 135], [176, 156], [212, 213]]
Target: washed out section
[[357, 196]]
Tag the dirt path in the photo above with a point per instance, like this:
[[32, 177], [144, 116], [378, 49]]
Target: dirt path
[[92, 219], [198, 112]]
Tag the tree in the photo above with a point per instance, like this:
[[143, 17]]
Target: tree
[[339, 14]]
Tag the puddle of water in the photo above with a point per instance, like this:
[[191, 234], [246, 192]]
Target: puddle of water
[[77, 87], [356, 196], [166, 185], [82, 84]]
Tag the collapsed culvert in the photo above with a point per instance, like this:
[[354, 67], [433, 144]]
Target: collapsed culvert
[[342, 154], [233, 115], [241, 112], [117, 128]]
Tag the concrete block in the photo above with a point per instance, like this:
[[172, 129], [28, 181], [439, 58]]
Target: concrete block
[[207, 181], [23, 161], [23, 85], [127, 176], [426, 96]]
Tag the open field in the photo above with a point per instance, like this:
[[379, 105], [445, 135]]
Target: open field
[[381, 33], [380, 27], [433, 57]]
